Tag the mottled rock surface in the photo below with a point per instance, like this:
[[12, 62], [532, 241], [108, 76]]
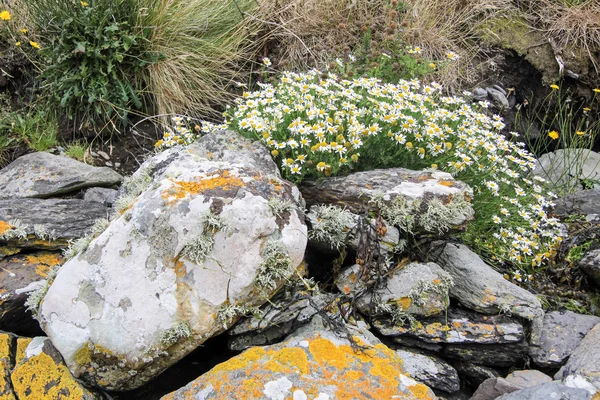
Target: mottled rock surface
[[585, 359], [196, 243], [478, 287], [560, 335], [42, 375], [19, 276], [491, 355], [474, 374], [44, 175], [583, 202], [7, 351], [433, 201], [416, 288], [47, 223], [430, 370], [104, 196], [309, 365], [547, 391], [567, 167]]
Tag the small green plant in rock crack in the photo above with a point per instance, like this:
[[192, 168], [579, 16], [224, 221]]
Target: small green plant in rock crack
[[398, 315], [15, 230], [276, 266], [174, 334], [229, 312], [213, 223], [397, 212], [78, 246], [42, 232], [440, 286], [279, 206], [440, 217], [132, 187], [198, 248], [332, 226]]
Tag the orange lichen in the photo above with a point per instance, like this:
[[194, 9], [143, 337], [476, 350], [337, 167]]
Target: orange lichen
[[40, 378], [404, 303], [44, 262], [22, 344], [288, 359], [5, 341], [446, 183], [179, 268], [383, 368], [4, 227], [242, 361], [420, 391], [222, 179], [326, 352]]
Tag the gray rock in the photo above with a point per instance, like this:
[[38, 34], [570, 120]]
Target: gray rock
[[310, 364], [567, 167], [104, 196], [492, 355], [432, 371], [498, 98], [47, 223], [493, 388], [278, 319], [583, 202], [561, 333], [474, 374], [195, 244], [547, 391], [20, 275], [480, 288], [585, 360], [411, 200], [500, 89], [480, 94], [462, 327], [44, 175], [417, 288], [527, 378], [590, 264]]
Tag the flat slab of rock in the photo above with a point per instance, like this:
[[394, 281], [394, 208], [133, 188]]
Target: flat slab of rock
[[461, 327], [430, 370], [42, 374], [491, 355], [196, 244], [44, 175], [19, 276], [546, 391], [590, 264], [493, 388], [561, 333], [101, 195], [527, 378], [416, 288], [474, 374], [47, 223], [566, 167], [478, 287], [427, 201], [583, 202], [585, 360], [303, 367]]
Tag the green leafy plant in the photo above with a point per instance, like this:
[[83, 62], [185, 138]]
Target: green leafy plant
[[92, 56], [76, 150], [35, 128]]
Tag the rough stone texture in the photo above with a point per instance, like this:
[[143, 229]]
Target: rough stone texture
[[7, 351], [312, 364], [44, 175], [430, 370], [590, 264], [19, 276], [584, 202], [104, 196], [479, 287], [499, 99], [527, 378], [585, 360], [561, 333], [462, 327], [474, 374], [64, 219], [145, 293], [355, 191], [419, 289], [547, 391], [279, 318], [42, 375], [493, 388], [580, 164], [492, 355]]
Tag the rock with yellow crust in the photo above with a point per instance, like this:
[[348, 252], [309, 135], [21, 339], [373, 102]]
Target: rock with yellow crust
[[42, 375], [202, 234], [311, 364], [7, 350]]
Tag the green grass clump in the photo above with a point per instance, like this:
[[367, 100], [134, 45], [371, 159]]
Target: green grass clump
[[76, 150]]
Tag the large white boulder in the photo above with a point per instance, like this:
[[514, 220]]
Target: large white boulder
[[202, 234]]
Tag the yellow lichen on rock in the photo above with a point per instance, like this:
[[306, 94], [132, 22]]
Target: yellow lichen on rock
[[22, 344], [223, 180], [4, 227], [43, 262], [40, 378], [6, 344]]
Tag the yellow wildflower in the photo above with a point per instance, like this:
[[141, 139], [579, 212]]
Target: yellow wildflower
[[23, 30], [18, 44], [580, 133], [596, 90], [432, 65], [35, 45], [5, 15], [554, 86], [553, 135], [84, 4], [159, 143], [274, 153]]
